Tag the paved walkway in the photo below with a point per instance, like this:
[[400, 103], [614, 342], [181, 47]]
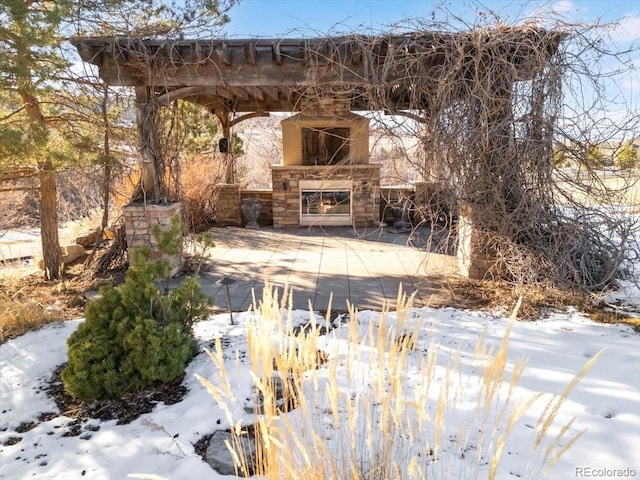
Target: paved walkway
[[364, 266]]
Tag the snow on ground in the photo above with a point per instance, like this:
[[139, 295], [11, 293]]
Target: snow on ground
[[606, 402]]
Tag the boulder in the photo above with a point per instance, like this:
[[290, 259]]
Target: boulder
[[73, 252], [88, 240], [70, 254], [220, 458]]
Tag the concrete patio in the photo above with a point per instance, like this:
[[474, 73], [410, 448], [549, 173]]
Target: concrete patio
[[364, 266]]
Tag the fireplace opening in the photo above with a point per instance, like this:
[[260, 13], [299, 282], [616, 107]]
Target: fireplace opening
[[322, 204]]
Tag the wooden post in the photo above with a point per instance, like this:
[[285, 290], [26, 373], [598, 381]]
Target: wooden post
[[149, 188], [225, 120]]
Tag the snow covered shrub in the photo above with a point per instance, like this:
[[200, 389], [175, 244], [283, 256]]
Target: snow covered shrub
[[136, 333]]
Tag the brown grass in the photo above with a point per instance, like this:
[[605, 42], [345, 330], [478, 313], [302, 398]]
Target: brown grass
[[537, 300], [357, 416], [19, 315], [27, 303], [495, 294]]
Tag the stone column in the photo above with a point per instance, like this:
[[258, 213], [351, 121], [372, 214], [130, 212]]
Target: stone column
[[139, 220], [228, 210], [474, 255]]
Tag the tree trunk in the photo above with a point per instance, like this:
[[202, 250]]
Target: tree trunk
[[51, 254]]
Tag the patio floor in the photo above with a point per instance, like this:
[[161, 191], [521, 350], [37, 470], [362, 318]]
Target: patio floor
[[364, 266]]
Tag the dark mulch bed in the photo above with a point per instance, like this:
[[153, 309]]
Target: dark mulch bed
[[124, 410]]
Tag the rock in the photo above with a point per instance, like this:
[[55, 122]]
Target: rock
[[285, 397], [88, 240], [220, 458], [71, 253]]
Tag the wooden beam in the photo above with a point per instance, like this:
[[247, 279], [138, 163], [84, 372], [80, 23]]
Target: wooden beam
[[224, 54], [240, 92], [247, 116], [225, 93], [304, 52], [356, 54], [271, 92], [255, 92], [276, 55], [250, 53], [90, 54], [233, 93], [203, 52], [174, 95]]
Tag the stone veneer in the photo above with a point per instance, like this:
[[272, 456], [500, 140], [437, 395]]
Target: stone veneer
[[475, 259], [365, 193], [139, 220], [228, 204]]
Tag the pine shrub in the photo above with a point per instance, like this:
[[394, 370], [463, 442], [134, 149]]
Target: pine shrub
[[138, 332]]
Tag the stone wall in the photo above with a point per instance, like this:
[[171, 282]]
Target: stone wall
[[228, 212], [391, 197], [139, 220], [365, 199]]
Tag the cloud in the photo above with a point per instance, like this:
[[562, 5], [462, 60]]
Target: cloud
[[563, 6], [627, 28], [548, 13]]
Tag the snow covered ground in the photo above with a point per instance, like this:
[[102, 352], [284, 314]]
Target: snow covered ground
[[606, 402]]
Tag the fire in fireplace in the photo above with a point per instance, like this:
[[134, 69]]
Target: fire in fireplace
[[325, 203]]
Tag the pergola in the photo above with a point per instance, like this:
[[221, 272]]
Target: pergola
[[258, 76], [237, 79]]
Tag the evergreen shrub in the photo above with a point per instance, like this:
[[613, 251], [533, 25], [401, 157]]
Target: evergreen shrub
[[138, 332]]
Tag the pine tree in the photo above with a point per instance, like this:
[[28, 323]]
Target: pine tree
[[35, 131], [29, 62], [138, 332], [627, 157]]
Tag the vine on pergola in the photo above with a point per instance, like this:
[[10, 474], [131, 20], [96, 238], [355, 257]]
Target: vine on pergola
[[488, 106]]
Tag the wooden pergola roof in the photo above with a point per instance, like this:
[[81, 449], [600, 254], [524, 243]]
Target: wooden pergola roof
[[277, 75]]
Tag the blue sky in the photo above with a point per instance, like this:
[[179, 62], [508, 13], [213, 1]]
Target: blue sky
[[273, 18], [308, 18]]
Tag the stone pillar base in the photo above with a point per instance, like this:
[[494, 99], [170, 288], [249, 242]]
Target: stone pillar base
[[474, 261], [139, 220]]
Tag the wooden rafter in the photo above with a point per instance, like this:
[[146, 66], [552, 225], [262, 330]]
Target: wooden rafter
[[275, 74]]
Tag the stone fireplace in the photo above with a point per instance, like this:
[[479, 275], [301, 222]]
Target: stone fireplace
[[326, 178], [315, 196]]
